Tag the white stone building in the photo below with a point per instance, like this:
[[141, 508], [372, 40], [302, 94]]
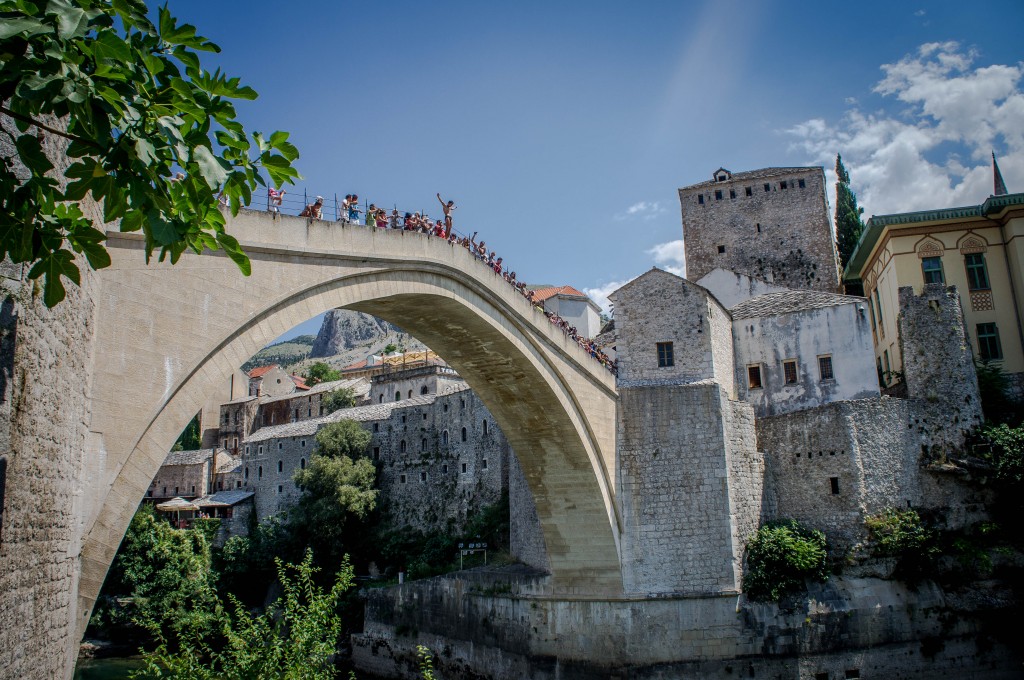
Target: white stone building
[[572, 305]]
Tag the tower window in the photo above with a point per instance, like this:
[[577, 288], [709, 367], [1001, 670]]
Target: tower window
[[665, 355], [401, 446], [721, 249], [700, 198], [783, 184], [718, 194], [767, 188], [834, 484], [802, 184], [749, 191]]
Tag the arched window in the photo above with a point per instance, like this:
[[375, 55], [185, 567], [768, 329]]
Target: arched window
[[259, 473], [398, 396], [463, 434], [485, 428], [380, 399], [410, 394], [401, 446], [444, 438], [423, 444], [424, 390]]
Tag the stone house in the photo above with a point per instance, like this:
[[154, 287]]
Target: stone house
[[396, 383], [979, 249], [574, 306], [190, 474], [271, 381]]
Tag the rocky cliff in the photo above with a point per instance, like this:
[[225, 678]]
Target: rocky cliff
[[343, 330]]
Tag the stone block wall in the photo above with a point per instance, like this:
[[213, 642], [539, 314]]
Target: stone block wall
[[938, 363], [683, 513], [48, 483], [780, 232], [659, 307]]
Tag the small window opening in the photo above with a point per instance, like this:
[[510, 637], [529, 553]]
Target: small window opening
[[721, 249], [754, 377], [825, 369], [401, 446], [280, 466], [483, 464], [463, 434], [802, 184], [401, 479], [423, 476], [767, 188], [665, 355], [280, 488], [376, 453], [789, 369], [783, 184], [718, 194], [749, 191], [700, 198], [485, 428], [463, 468], [444, 468], [732, 193], [302, 463], [834, 484]]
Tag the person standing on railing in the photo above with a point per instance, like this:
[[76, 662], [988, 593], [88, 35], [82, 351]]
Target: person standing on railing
[[314, 210], [275, 196], [447, 208]]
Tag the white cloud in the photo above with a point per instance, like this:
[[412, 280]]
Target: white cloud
[[645, 210], [934, 152], [920, 13], [600, 294], [669, 256]]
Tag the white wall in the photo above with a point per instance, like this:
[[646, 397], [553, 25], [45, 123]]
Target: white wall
[[577, 312], [730, 288], [842, 331]]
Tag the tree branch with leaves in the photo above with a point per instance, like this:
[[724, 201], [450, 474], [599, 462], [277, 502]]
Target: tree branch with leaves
[[150, 135]]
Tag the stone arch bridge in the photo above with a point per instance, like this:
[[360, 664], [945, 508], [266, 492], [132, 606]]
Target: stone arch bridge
[[169, 336]]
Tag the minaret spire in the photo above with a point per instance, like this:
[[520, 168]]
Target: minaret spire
[[997, 178]]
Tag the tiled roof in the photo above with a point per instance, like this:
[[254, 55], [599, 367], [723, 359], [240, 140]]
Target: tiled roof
[[358, 413], [224, 498], [360, 386], [227, 464], [261, 371], [299, 381], [545, 293], [240, 400], [773, 304], [750, 175], [358, 364], [188, 457]]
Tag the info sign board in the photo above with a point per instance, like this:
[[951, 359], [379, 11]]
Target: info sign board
[[471, 548]]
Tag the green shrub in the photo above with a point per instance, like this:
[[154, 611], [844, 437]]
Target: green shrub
[[1007, 452], [780, 557], [903, 535]]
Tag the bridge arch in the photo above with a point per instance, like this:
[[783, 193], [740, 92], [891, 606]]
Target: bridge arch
[[167, 337]]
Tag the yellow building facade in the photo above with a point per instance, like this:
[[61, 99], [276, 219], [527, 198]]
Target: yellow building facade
[[979, 249]]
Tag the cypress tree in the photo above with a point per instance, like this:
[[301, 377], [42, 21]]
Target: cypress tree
[[848, 222]]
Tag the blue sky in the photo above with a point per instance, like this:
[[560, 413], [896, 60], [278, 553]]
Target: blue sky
[[562, 130]]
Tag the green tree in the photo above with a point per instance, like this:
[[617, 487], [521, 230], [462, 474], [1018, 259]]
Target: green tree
[[849, 225], [780, 557], [343, 397], [390, 348], [343, 439], [168, 574], [134, 106], [296, 637], [191, 438], [319, 372]]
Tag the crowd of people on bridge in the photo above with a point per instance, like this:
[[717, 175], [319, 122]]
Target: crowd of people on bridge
[[379, 218]]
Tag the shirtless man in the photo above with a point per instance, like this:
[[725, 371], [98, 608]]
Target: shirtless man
[[447, 208], [313, 210]]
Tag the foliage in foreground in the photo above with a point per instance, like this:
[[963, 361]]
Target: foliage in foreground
[[902, 534], [780, 557], [134, 106], [296, 637], [1007, 452]]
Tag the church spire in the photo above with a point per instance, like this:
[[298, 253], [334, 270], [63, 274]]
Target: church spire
[[997, 177]]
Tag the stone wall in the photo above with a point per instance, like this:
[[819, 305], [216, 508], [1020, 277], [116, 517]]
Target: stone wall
[[845, 628], [413, 383], [45, 376], [439, 459], [684, 515], [782, 235], [938, 363]]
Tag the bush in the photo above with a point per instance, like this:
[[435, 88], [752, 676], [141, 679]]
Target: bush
[[780, 557], [1007, 452], [902, 534]]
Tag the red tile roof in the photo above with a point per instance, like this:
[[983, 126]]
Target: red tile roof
[[300, 382], [358, 364], [544, 293], [261, 371]]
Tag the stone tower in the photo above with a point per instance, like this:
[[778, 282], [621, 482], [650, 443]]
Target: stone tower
[[690, 480], [771, 224]]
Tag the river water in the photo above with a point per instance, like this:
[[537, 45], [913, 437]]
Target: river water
[[106, 669]]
